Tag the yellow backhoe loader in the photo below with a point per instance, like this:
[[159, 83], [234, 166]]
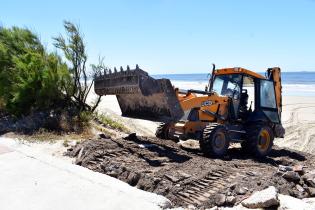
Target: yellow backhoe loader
[[238, 105]]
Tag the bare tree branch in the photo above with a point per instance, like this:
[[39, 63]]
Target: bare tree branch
[[73, 48]]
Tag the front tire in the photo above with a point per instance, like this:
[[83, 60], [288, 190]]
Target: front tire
[[215, 140]]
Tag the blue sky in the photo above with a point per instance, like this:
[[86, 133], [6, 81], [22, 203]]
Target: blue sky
[[178, 36]]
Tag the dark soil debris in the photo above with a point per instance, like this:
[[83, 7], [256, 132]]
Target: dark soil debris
[[187, 177]]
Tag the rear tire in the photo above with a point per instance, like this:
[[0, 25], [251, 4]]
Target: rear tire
[[162, 131], [215, 140], [259, 140]]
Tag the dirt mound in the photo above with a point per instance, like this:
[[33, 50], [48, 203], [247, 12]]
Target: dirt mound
[[186, 176]]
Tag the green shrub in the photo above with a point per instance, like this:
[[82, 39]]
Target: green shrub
[[85, 117], [30, 78]]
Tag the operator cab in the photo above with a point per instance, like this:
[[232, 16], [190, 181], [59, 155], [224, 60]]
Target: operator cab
[[229, 85], [252, 95]]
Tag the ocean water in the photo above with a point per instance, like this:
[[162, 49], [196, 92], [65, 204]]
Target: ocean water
[[293, 83]]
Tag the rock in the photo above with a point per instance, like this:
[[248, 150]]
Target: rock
[[113, 173], [104, 136], [299, 188], [167, 204], [285, 168], [295, 193], [311, 191], [312, 172], [171, 178], [298, 168], [178, 177], [147, 145], [157, 180], [233, 185], [184, 175], [252, 173], [133, 178], [191, 207], [290, 203], [189, 144], [78, 160], [309, 178], [132, 137], [310, 182], [230, 200], [241, 190], [291, 176], [262, 199], [219, 199]]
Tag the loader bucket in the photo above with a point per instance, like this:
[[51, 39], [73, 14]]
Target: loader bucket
[[139, 95]]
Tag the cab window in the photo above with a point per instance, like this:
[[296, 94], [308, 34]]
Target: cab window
[[227, 85], [268, 100], [267, 94]]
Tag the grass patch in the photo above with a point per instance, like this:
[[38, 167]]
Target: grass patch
[[111, 122], [65, 143], [44, 135], [85, 118], [80, 127]]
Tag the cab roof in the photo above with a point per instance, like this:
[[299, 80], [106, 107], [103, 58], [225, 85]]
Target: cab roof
[[238, 70]]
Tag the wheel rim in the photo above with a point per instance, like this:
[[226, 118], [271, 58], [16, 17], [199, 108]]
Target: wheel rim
[[264, 140], [219, 141]]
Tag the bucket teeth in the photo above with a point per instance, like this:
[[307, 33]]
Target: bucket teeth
[[140, 95], [117, 83], [109, 73]]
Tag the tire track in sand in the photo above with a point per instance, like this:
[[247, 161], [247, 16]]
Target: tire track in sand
[[300, 134]]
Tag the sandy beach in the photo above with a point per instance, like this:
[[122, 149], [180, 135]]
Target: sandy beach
[[299, 121], [109, 106]]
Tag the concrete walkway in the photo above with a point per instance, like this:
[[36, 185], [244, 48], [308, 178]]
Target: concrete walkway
[[32, 180]]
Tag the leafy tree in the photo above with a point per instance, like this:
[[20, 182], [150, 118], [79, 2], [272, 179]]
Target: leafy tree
[[30, 78]]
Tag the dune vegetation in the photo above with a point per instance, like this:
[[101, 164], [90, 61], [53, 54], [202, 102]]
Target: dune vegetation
[[32, 79]]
